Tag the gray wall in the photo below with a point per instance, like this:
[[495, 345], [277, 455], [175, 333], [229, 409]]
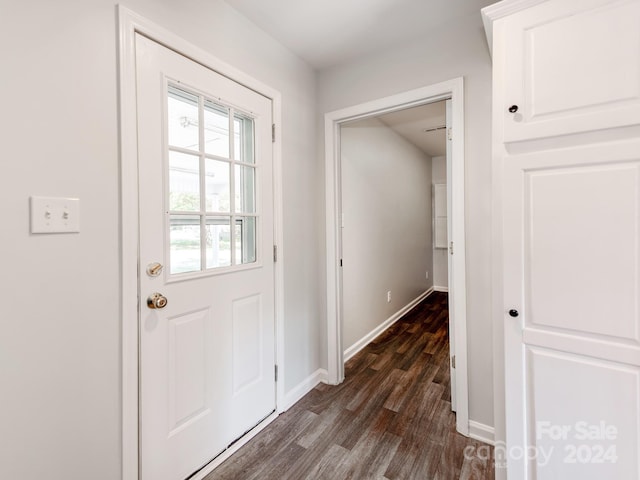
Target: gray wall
[[60, 321], [386, 239], [455, 50]]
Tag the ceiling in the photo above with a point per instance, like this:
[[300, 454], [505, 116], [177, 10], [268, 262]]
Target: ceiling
[[411, 124], [330, 32], [326, 33]]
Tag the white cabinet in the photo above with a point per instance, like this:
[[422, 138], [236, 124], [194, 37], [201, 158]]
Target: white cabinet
[[440, 239], [571, 66], [567, 215]]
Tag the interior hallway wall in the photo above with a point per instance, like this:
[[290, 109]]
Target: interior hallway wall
[[386, 239], [455, 50], [60, 322]]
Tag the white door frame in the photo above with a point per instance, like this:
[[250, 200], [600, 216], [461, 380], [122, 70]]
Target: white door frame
[[130, 23], [453, 89]]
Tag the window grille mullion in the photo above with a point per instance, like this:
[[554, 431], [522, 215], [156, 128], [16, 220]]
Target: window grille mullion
[[203, 186]]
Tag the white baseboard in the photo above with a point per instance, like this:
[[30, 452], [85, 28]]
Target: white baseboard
[[304, 387], [441, 289], [482, 432], [364, 341]]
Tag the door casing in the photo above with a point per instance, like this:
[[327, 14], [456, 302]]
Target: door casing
[[130, 23], [451, 89]]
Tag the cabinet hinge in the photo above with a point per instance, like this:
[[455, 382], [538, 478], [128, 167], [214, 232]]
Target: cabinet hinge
[[453, 361], [275, 253], [451, 248], [273, 132], [275, 372], [449, 135]]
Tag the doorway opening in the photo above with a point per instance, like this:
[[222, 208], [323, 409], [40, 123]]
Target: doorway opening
[[340, 342], [393, 217]]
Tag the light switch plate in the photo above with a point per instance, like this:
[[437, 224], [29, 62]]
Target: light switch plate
[[55, 215]]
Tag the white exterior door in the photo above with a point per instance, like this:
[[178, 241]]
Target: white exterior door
[[206, 238]]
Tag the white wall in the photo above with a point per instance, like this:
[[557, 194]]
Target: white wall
[[440, 255], [386, 239], [457, 49], [60, 342]]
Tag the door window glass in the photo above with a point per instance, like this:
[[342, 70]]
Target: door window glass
[[218, 242], [182, 113], [184, 240], [212, 184], [217, 178], [243, 138], [216, 129], [245, 192], [184, 182], [245, 240]]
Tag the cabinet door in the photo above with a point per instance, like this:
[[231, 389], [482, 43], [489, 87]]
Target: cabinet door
[[571, 66], [572, 312], [440, 239]]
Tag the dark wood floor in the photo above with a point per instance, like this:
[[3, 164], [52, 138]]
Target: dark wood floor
[[390, 419]]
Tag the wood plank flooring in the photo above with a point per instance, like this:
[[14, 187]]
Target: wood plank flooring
[[390, 419]]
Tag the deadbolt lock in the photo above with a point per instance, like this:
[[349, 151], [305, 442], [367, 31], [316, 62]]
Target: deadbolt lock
[[154, 269], [156, 300]]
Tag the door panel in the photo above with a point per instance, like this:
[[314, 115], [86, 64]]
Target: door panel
[[598, 88], [571, 265], [578, 215], [582, 439], [247, 339], [189, 368], [206, 213]]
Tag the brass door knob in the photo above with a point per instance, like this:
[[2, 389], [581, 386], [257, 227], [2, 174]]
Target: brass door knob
[[156, 300]]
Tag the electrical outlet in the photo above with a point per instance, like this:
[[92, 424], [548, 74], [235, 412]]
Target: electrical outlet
[[389, 296], [427, 274]]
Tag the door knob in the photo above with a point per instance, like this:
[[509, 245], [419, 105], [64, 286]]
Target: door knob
[[513, 313], [156, 300], [513, 108]]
